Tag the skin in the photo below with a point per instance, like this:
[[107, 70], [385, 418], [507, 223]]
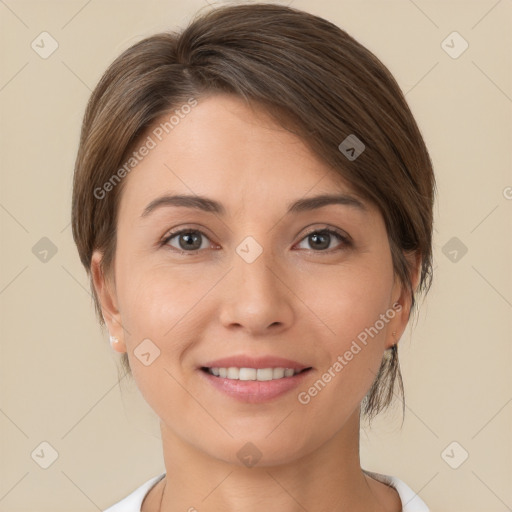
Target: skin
[[294, 301]]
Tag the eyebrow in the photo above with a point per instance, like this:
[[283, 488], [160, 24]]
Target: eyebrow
[[212, 206]]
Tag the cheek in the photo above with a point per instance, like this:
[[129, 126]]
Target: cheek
[[156, 310], [351, 305], [156, 302], [165, 305], [350, 300], [153, 294]]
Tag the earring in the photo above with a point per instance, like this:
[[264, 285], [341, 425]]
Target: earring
[[113, 340]]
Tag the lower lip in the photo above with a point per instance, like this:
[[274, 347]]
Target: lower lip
[[254, 391]]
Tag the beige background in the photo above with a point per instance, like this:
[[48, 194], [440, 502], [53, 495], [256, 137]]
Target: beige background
[[58, 374]]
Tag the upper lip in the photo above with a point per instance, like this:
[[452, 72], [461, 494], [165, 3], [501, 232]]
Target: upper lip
[[246, 361]]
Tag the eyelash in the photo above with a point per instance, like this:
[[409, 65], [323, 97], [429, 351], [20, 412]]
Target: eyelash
[[343, 238]]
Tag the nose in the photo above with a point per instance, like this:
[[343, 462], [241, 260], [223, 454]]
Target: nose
[[256, 297]]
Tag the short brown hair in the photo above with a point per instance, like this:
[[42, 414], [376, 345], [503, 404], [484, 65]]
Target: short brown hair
[[312, 78]]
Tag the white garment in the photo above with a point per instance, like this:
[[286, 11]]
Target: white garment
[[411, 502]]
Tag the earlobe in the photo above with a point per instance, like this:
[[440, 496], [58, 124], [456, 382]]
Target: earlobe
[[117, 345], [105, 291]]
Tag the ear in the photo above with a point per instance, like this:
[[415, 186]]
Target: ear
[[402, 299], [106, 293]]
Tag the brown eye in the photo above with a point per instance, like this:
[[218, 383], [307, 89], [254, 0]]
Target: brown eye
[[187, 240], [321, 240]]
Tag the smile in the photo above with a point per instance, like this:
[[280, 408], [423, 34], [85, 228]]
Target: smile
[[259, 374]]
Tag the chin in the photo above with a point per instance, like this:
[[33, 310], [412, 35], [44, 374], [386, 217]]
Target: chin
[[261, 449]]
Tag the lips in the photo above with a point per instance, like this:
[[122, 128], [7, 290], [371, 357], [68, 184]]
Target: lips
[[254, 379]]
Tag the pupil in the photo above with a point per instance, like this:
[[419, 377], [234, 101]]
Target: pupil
[[189, 240], [318, 237]]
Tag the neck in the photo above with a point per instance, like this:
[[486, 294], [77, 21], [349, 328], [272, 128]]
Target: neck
[[328, 478]]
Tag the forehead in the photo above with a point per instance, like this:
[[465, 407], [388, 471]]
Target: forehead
[[224, 148]]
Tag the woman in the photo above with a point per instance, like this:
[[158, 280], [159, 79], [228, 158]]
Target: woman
[[253, 203]]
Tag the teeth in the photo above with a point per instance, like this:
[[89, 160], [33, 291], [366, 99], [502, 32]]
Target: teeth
[[260, 374], [279, 373], [233, 373], [246, 373]]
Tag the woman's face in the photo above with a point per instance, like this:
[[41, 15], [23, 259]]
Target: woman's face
[[261, 273]]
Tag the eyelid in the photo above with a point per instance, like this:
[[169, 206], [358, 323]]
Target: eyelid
[[185, 228], [343, 234]]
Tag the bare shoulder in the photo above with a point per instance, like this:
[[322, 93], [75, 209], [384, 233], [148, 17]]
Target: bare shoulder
[[386, 495]]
